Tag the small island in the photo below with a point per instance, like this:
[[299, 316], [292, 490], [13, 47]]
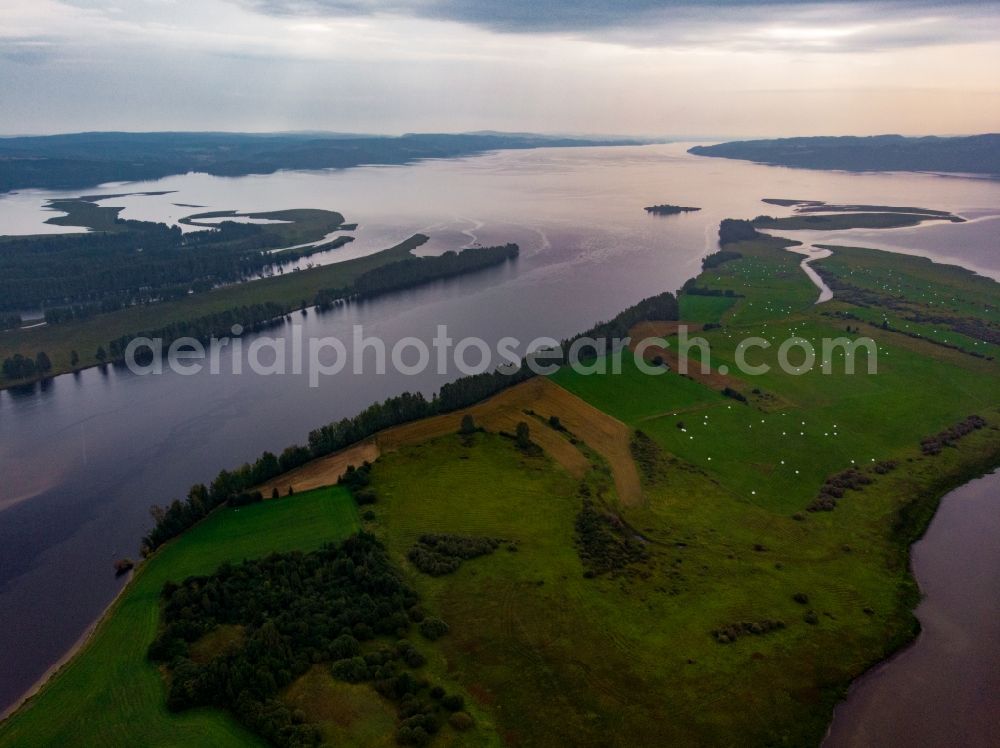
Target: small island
[[818, 215], [669, 210]]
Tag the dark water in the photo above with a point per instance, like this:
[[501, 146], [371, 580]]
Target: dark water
[[945, 689], [83, 458]]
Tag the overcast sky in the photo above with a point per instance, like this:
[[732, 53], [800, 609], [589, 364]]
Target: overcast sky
[[683, 67]]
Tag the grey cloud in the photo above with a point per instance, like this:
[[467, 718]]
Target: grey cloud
[[26, 50], [597, 17]]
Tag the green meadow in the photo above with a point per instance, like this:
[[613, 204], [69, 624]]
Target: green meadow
[[554, 658], [110, 694], [702, 309], [719, 612]]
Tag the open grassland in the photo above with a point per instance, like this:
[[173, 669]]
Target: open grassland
[[110, 694], [85, 336], [735, 480], [743, 618], [560, 659], [702, 309], [633, 395], [800, 428], [943, 303]]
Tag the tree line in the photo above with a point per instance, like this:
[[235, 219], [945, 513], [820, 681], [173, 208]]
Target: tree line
[[415, 271], [77, 275], [256, 317], [718, 258], [737, 230], [23, 367], [176, 517]]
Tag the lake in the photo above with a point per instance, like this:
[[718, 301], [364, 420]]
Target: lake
[[945, 688], [83, 457]]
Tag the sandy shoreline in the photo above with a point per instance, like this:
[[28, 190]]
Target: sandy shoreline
[[70, 653]]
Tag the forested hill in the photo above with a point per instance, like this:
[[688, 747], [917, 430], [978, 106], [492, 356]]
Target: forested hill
[[976, 154], [86, 159]]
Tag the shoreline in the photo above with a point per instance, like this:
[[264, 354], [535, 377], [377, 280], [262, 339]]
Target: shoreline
[[70, 654], [934, 497], [839, 732]]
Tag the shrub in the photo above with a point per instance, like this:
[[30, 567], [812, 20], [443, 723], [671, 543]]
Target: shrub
[[245, 498], [734, 394], [433, 628], [734, 631], [453, 702], [461, 721], [522, 436], [345, 646], [351, 670], [442, 554], [603, 542], [468, 426], [717, 258], [648, 456], [836, 486], [932, 445]]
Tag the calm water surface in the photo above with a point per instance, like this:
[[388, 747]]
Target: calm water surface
[[945, 689], [83, 458]]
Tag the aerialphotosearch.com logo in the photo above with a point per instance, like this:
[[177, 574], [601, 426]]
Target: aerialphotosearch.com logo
[[319, 357]]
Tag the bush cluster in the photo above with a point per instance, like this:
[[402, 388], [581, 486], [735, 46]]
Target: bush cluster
[[717, 258], [693, 289], [442, 554], [357, 480], [734, 631], [603, 542], [836, 486], [734, 394], [648, 456], [933, 445], [296, 609], [737, 230], [420, 707]]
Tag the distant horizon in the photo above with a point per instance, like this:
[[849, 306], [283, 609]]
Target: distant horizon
[[650, 139], [779, 69]]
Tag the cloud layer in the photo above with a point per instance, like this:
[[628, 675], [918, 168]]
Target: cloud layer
[[716, 67], [670, 22]]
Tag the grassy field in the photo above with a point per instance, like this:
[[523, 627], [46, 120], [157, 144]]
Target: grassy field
[[110, 694], [84, 336], [779, 456], [634, 396], [559, 659], [742, 471], [548, 652], [704, 308]]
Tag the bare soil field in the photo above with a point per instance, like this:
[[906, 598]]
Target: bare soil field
[[607, 436]]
